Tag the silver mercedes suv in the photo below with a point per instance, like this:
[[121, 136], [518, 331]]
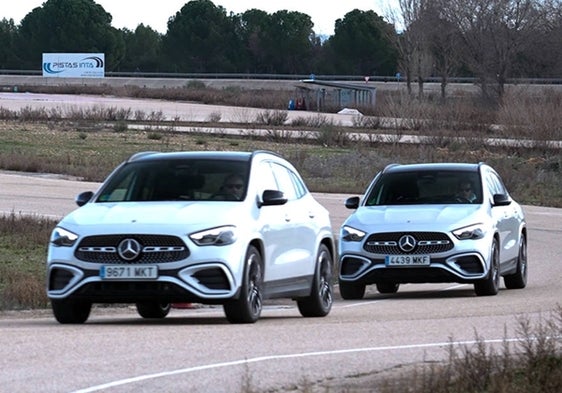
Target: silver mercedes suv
[[228, 228], [433, 223]]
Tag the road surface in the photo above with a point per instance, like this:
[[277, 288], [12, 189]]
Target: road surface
[[196, 350]]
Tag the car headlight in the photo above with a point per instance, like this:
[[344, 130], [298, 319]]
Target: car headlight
[[220, 236], [62, 237], [350, 234], [473, 232]]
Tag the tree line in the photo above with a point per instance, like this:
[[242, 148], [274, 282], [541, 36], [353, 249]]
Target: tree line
[[491, 40]]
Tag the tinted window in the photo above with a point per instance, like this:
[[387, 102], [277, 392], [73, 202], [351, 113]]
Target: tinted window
[[167, 180], [427, 187]]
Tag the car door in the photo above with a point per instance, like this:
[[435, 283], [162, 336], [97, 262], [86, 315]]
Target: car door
[[506, 221], [274, 225], [286, 236], [301, 249]]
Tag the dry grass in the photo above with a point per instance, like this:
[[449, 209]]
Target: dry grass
[[533, 363], [89, 143], [23, 240], [333, 162], [81, 144]]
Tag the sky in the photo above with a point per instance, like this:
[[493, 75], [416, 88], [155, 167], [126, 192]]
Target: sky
[[155, 13]]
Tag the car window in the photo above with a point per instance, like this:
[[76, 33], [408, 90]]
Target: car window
[[426, 187], [285, 181], [495, 184], [265, 177], [171, 180], [300, 187]]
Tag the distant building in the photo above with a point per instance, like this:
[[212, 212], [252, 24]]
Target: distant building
[[313, 94]]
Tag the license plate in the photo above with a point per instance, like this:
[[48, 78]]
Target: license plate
[[407, 260], [128, 272]]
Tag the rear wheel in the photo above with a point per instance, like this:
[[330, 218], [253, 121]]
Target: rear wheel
[[490, 285], [247, 308], [387, 287], [351, 291], [319, 303], [71, 311], [518, 280], [153, 310]]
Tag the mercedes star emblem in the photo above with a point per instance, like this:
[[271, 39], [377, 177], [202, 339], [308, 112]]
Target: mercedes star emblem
[[407, 243], [129, 249]]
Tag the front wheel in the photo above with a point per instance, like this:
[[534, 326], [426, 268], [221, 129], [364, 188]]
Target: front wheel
[[153, 310], [247, 308], [490, 285], [71, 311], [319, 303], [518, 280]]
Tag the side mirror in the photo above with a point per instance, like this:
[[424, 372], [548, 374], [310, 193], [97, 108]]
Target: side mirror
[[84, 198], [272, 198], [501, 200], [352, 203]]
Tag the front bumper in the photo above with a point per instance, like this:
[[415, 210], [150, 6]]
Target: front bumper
[[466, 267], [210, 283]]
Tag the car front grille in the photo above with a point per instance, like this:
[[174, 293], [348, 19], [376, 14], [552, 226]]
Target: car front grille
[[425, 243], [154, 249]]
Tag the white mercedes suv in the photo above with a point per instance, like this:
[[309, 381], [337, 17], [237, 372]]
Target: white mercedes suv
[[229, 228], [433, 223]]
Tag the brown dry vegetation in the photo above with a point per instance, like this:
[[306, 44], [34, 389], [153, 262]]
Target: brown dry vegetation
[[89, 144], [530, 364]]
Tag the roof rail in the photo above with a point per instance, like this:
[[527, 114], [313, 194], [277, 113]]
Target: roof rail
[[390, 166], [138, 155]]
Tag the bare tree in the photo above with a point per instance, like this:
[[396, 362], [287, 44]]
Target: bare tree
[[404, 41], [493, 33], [443, 41], [417, 43], [543, 59]]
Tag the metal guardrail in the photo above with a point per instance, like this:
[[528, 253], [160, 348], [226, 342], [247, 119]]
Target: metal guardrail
[[373, 78]]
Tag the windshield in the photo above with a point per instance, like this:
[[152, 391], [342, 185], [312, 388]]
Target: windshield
[[426, 187], [173, 180]]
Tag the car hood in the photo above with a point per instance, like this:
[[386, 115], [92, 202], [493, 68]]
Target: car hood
[[413, 217], [154, 214]]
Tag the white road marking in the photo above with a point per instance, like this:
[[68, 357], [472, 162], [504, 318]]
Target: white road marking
[[364, 303], [453, 287], [288, 356]]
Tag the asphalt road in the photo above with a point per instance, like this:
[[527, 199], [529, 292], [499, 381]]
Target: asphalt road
[[180, 111], [196, 350]]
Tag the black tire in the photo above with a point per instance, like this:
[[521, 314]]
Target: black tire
[[71, 311], [247, 308], [153, 310], [319, 303], [352, 291], [387, 287], [518, 280], [490, 285]]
